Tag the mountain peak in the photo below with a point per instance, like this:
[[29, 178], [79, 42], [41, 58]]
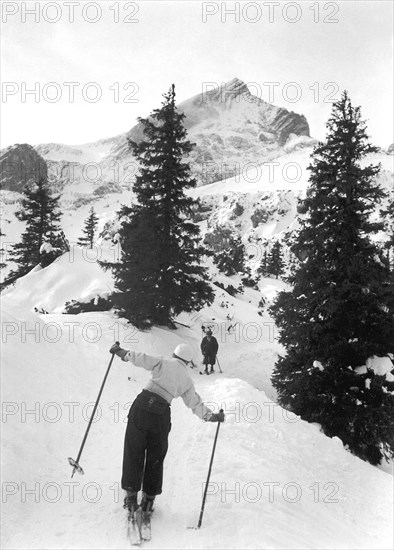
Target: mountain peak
[[236, 85], [226, 90]]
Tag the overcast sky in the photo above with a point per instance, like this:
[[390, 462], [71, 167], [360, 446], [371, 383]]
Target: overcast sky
[[130, 52]]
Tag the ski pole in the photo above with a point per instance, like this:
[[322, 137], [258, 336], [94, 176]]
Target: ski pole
[[209, 475], [71, 461], [217, 359]]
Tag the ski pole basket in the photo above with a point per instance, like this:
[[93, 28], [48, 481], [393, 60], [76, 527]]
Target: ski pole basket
[[71, 461]]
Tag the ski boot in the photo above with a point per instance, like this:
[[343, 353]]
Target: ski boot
[[211, 371], [130, 501], [147, 503]]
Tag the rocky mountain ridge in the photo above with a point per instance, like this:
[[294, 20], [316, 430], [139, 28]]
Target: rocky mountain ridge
[[231, 129], [20, 164]]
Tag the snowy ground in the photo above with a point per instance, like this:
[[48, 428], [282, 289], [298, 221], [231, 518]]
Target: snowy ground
[[277, 482]]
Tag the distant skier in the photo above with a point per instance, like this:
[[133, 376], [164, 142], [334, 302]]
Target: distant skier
[[47, 253], [116, 241], [209, 348], [65, 242], [149, 421]]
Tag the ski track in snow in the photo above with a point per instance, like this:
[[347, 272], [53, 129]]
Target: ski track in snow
[[277, 482]]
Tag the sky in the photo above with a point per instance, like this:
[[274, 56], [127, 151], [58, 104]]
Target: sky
[[95, 67]]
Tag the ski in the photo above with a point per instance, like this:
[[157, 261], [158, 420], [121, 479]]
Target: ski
[[134, 527], [139, 527], [146, 530], [203, 372]]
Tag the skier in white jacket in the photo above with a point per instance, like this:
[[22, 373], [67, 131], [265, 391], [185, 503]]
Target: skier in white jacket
[[47, 253], [149, 420]]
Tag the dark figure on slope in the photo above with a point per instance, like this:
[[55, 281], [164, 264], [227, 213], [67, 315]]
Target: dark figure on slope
[[209, 348], [149, 421]]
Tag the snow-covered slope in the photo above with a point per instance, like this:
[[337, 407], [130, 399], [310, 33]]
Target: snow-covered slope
[[88, 152], [262, 204], [277, 482], [74, 275]]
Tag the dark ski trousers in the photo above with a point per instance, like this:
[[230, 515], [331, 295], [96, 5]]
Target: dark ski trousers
[[209, 360], [146, 443]]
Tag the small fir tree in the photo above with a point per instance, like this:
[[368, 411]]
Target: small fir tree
[[231, 260], [89, 230], [263, 267], [275, 262], [40, 210]]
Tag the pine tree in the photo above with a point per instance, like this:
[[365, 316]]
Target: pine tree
[[263, 267], [159, 274], [275, 264], [231, 260], [40, 211], [340, 310], [248, 279], [89, 229]]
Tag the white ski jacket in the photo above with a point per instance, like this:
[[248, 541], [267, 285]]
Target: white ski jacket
[[170, 379], [46, 247]]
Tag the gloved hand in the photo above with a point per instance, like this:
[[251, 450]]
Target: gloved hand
[[117, 350], [219, 417]]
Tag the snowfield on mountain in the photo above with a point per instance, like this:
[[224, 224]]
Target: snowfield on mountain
[[277, 482]]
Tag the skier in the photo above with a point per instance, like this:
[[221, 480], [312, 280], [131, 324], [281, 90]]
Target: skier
[[65, 242], [47, 253], [149, 421], [117, 246], [116, 238], [209, 348]]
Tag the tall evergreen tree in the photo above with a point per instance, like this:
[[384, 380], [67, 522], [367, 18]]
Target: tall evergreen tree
[[340, 310], [159, 274], [275, 260], [89, 230], [40, 210]]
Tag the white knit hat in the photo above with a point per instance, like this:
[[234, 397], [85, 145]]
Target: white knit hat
[[184, 351]]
